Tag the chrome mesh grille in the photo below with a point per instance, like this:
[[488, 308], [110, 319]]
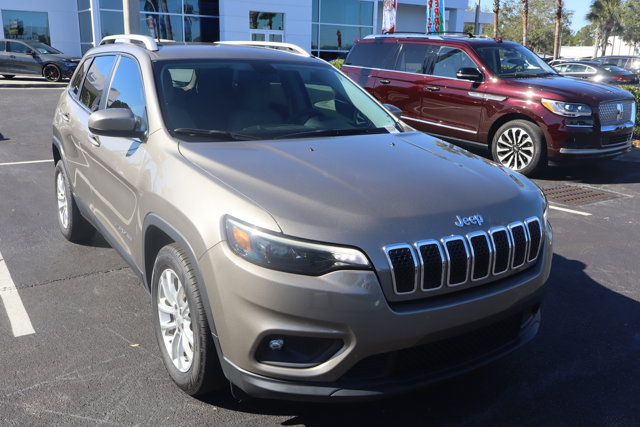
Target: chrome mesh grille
[[609, 112], [454, 261]]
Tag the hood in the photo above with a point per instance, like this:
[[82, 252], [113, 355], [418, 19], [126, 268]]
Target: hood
[[368, 190], [569, 89]]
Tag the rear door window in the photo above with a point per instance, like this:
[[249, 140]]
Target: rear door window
[[576, 68], [449, 60], [415, 57], [372, 55], [96, 81]]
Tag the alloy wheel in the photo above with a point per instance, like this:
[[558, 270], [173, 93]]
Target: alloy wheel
[[515, 148], [63, 204], [51, 73], [175, 320]]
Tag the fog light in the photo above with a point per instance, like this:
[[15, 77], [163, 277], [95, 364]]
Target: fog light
[[300, 352]]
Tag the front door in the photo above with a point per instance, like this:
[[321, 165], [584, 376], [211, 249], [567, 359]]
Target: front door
[[20, 61]]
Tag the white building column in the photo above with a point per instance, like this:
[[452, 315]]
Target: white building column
[[96, 28], [131, 16]]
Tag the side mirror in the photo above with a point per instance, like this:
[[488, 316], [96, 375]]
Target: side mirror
[[32, 52], [472, 74], [119, 122], [395, 111]]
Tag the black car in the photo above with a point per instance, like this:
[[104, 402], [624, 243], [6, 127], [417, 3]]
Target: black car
[[629, 63], [34, 57], [597, 72]]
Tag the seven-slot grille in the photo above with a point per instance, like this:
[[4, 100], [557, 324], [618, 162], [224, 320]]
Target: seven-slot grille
[[609, 112], [457, 260]]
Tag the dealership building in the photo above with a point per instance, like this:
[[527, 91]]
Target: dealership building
[[327, 28]]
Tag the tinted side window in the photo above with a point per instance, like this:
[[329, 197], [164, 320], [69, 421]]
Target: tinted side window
[[126, 89], [77, 79], [450, 60], [96, 81], [17, 47], [372, 55], [576, 68], [415, 57]]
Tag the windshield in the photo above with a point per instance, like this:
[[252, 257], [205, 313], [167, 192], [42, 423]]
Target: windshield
[[513, 60], [240, 100], [43, 48]]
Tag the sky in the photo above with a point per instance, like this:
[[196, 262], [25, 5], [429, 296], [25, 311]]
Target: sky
[[580, 9]]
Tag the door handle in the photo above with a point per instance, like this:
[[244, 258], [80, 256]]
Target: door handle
[[94, 140], [385, 82], [433, 88], [12, 56]]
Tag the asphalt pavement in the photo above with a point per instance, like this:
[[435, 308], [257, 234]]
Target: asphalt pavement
[[92, 358]]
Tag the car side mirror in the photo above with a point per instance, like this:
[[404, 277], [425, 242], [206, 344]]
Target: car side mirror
[[395, 111], [472, 74], [32, 53], [118, 122]]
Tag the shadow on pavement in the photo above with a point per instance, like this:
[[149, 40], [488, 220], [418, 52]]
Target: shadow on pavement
[[582, 369]]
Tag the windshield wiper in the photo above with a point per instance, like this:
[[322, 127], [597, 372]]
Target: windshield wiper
[[214, 133], [517, 75], [333, 132]]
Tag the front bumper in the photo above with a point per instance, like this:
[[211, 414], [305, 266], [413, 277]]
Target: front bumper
[[250, 304]]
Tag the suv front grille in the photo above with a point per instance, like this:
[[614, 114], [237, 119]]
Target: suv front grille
[[609, 112], [454, 261]]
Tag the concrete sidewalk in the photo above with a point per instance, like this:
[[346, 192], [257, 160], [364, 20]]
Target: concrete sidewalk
[[30, 82]]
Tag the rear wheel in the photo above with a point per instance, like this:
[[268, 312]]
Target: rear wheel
[[8, 76], [519, 145], [73, 225], [180, 324], [52, 73]]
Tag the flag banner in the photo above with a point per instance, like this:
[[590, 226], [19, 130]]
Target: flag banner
[[435, 16], [389, 16]]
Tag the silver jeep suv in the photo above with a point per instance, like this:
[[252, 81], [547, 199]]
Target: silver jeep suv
[[297, 239]]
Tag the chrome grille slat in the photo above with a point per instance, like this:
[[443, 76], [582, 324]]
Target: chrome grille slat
[[608, 112], [453, 261]]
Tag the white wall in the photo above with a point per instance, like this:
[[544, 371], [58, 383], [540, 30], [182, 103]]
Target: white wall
[[63, 21], [234, 22]]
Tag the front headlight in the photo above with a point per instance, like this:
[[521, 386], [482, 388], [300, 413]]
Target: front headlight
[[290, 255], [566, 109]]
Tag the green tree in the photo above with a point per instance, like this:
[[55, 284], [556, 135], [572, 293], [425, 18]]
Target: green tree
[[583, 37], [605, 14], [630, 20]]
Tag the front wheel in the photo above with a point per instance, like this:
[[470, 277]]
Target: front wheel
[[52, 73], [180, 324], [519, 145]]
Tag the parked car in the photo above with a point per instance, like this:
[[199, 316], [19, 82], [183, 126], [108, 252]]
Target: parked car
[[34, 57], [629, 63], [597, 72], [297, 239], [495, 94]]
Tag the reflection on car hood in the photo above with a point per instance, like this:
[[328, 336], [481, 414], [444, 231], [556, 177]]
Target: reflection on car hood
[[569, 89], [404, 186]]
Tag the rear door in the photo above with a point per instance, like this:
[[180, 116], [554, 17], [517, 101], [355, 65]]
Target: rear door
[[451, 106], [367, 59], [404, 85]]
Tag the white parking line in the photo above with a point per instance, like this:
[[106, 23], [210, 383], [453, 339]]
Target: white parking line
[[29, 162], [558, 208], [18, 317]]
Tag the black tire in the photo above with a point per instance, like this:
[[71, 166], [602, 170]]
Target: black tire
[[73, 225], [52, 73], [8, 76], [520, 145], [201, 373]]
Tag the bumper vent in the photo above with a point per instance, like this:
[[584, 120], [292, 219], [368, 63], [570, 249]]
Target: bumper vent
[[458, 260]]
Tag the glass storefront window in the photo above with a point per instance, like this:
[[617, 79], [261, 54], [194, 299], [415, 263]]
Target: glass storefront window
[[201, 29], [266, 21], [23, 25], [336, 37], [167, 6], [84, 4], [168, 27], [314, 11], [111, 4], [111, 23], [352, 12], [201, 7], [84, 19]]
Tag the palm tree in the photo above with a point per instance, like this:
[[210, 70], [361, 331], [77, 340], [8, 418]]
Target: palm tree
[[496, 11], [525, 21], [556, 36], [606, 15]]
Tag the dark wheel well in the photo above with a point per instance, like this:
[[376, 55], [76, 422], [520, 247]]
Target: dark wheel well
[[154, 240], [56, 154], [504, 119]]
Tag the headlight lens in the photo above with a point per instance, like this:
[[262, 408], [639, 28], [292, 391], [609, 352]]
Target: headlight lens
[[290, 255], [566, 109]]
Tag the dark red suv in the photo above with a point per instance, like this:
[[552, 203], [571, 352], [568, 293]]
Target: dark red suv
[[496, 94]]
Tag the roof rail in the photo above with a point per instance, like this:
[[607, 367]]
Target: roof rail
[[405, 35], [136, 39], [288, 47]]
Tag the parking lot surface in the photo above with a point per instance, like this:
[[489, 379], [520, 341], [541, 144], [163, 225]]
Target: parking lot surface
[[90, 357]]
